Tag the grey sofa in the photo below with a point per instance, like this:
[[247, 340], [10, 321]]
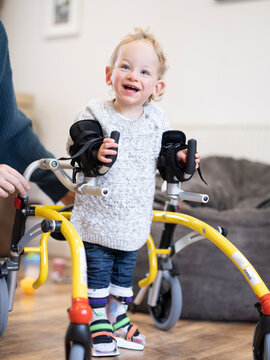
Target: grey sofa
[[213, 288]]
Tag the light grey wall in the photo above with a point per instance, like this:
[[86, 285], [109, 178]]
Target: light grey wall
[[218, 83]]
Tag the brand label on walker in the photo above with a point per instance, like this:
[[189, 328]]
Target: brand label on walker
[[251, 275], [83, 266], [240, 259]]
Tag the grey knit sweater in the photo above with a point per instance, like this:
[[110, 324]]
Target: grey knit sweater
[[122, 219]]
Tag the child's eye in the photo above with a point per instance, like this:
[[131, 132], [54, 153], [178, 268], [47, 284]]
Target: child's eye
[[145, 72], [125, 67]]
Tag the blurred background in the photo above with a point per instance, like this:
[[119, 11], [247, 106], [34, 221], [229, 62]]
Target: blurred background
[[218, 90], [218, 82]]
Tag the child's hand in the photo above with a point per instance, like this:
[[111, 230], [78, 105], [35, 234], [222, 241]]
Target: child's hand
[[69, 198], [105, 149], [182, 156]]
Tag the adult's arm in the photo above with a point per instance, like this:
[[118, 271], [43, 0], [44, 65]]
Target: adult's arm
[[19, 145], [25, 148]]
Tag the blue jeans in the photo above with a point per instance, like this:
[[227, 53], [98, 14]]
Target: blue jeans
[[106, 265]]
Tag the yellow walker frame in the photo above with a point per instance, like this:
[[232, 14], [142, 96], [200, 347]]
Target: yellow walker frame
[[261, 340], [80, 312], [78, 339], [250, 274]]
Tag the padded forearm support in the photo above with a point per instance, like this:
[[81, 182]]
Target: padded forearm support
[[170, 168], [87, 138]]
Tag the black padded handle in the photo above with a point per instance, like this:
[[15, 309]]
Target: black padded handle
[[116, 136], [192, 149]]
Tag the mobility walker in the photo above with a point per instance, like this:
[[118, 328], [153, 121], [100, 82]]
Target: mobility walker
[[55, 223], [161, 283]]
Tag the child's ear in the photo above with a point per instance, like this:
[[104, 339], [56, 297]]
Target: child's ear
[[108, 75], [158, 89]]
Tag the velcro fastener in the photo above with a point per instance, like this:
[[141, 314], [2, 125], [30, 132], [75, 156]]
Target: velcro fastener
[[131, 332], [101, 326], [124, 299], [100, 333], [121, 323], [98, 302]]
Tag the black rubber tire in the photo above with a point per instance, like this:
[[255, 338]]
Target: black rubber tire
[[4, 306], [169, 304]]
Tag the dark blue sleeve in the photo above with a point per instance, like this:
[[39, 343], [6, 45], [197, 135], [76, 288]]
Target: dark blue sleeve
[[25, 148], [19, 145]]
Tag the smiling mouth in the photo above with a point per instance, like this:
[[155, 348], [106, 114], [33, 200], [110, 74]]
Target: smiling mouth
[[131, 88]]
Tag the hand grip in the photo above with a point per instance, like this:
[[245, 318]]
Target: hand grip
[[116, 136], [192, 149]]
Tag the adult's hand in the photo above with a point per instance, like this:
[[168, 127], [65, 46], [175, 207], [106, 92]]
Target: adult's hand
[[10, 181]]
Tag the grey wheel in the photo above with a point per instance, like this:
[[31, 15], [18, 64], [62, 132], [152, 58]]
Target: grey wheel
[[169, 304], [3, 305], [266, 352], [77, 352]]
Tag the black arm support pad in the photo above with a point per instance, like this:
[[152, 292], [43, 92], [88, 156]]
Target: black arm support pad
[[169, 167], [87, 138]]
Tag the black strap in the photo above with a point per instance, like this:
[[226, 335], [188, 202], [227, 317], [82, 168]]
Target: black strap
[[87, 137], [200, 174], [169, 166]]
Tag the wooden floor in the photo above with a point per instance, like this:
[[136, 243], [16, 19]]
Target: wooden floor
[[37, 326]]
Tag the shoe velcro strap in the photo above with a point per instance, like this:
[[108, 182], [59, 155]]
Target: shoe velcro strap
[[121, 323], [131, 332], [96, 303], [124, 299], [100, 333], [101, 326]]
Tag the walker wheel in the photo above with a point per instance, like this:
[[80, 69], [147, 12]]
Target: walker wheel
[[169, 304]]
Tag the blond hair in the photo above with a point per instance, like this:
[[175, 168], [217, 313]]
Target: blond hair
[[140, 34]]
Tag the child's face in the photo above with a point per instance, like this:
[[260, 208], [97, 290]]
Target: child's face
[[134, 76]]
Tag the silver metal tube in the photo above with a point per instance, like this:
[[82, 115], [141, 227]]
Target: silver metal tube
[[88, 187], [174, 191], [64, 179], [29, 235], [92, 190], [140, 296], [103, 169], [189, 196], [171, 189], [30, 169], [65, 165], [11, 283], [186, 240], [154, 290]]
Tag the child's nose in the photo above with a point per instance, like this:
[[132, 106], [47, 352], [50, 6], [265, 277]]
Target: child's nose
[[133, 75]]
